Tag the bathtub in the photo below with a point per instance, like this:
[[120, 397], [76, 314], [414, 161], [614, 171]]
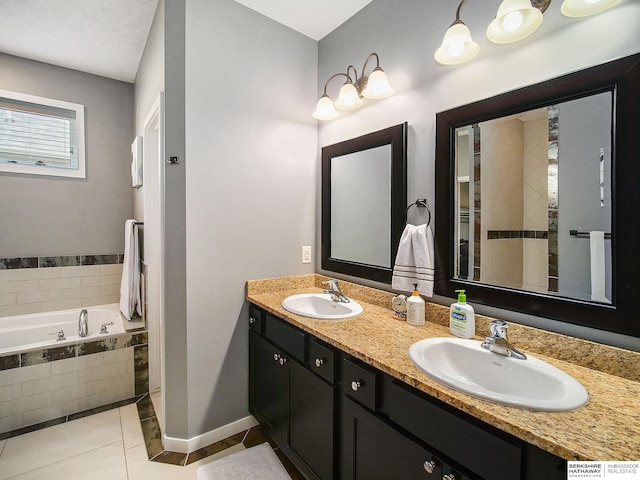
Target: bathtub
[[40, 330]]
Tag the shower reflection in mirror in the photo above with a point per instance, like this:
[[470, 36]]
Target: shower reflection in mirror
[[524, 181]]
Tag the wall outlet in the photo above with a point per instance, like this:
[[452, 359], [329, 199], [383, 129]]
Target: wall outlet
[[306, 254]]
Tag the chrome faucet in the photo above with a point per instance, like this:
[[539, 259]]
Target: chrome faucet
[[83, 324], [497, 342], [335, 292]]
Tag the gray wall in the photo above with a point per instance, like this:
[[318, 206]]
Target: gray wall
[[148, 85], [75, 216], [585, 128], [251, 179], [405, 35]]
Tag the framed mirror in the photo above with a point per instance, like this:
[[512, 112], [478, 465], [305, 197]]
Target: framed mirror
[[364, 192], [537, 198]]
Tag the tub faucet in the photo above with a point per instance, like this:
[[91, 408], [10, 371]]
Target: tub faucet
[[497, 342], [335, 292], [83, 325]]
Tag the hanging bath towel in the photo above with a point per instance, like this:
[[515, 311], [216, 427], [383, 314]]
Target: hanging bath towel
[[415, 260], [130, 286]]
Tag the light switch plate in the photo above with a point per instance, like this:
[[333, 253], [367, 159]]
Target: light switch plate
[[306, 254]]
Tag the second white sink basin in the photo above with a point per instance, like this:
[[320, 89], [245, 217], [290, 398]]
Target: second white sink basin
[[320, 305], [465, 366]]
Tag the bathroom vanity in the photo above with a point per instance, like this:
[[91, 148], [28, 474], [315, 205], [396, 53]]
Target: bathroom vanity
[[343, 400]]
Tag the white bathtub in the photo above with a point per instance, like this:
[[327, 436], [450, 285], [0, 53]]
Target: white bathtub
[[39, 330]]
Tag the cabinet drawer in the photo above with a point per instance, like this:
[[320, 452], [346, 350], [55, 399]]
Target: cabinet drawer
[[360, 383], [321, 360], [255, 319], [463, 440], [285, 336]]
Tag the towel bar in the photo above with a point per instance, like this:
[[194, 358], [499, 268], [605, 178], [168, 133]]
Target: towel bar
[[576, 233]]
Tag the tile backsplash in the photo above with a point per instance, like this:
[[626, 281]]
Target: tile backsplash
[[45, 284]]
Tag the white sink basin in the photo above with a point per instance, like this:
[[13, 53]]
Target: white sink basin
[[465, 366], [320, 305]]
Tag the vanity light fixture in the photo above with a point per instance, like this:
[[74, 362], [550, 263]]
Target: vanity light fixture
[[375, 86], [515, 20], [457, 44], [584, 8]]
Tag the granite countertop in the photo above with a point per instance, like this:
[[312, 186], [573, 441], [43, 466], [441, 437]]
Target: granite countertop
[[606, 429]]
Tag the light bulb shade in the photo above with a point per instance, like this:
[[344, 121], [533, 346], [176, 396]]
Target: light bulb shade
[[325, 109], [457, 46], [515, 20], [348, 98], [584, 8], [378, 85]]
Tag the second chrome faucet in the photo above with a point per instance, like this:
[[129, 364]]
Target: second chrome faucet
[[498, 342]]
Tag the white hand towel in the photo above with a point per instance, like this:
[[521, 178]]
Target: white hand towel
[[415, 260], [130, 284], [596, 248]]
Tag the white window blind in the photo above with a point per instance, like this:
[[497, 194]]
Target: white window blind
[[41, 136]]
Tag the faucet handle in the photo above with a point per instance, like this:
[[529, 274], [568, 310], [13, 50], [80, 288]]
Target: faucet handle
[[333, 284], [60, 334], [499, 329]]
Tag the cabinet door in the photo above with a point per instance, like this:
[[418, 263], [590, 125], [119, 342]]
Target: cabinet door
[[372, 450], [267, 387], [311, 420]]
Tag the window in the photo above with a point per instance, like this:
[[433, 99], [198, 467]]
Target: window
[[41, 136]]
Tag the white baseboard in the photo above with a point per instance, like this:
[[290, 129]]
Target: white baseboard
[[181, 445]]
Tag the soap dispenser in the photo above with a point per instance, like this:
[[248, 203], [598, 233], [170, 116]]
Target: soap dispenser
[[415, 308], [462, 320]]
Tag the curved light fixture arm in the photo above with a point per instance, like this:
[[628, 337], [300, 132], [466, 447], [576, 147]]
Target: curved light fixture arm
[[353, 80], [361, 83], [332, 77], [458, 12], [367, 61]]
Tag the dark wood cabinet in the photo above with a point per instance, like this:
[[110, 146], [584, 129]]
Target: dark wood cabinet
[[311, 420], [374, 450], [294, 404], [337, 417], [268, 395]]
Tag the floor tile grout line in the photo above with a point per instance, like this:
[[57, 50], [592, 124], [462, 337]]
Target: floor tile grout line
[[124, 450], [60, 460]]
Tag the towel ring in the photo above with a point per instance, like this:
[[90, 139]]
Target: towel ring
[[420, 203]]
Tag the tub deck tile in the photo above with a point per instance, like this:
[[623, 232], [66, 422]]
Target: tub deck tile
[[47, 355], [9, 361]]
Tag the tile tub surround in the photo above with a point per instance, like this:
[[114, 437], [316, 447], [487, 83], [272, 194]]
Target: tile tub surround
[[51, 288], [605, 429], [42, 386]]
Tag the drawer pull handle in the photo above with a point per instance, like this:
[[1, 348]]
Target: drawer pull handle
[[429, 466], [356, 384], [276, 357], [319, 362], [252, 320], [450, 476], [282, 360]]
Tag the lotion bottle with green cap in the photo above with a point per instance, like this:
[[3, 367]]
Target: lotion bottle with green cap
[[415, 308], [462, 320]]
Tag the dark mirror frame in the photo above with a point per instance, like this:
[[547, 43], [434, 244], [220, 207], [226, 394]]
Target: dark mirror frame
[[622, 77], [395, 136]]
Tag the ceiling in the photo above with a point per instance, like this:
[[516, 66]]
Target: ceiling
[[107, 37]]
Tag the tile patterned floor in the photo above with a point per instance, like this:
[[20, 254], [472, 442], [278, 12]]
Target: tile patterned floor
[[112, 445]]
